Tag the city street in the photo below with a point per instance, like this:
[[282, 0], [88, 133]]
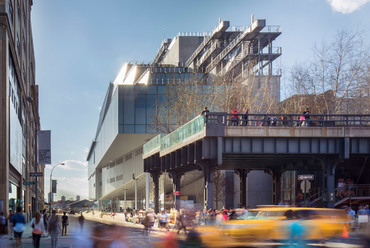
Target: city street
[[77, 238], [132, 236]]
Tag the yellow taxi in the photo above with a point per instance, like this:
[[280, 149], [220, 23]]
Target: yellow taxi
[[272, 224]]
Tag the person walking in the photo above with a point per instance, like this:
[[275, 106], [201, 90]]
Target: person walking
[[54, 228], [10, 224], [235, 117], [205, 111], [81, 220], [18, 226], [3, 224], [245, 116], [146, 223], [181, 222], [65, 223], [306, 115], [45, 219], [38, 228]]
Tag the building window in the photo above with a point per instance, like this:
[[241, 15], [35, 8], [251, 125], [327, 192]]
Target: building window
[[120, 177], [112, 180], [119, 161], [128, 156], [139, 151]]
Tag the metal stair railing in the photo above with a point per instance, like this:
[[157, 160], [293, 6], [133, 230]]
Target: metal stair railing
[[227, 50], [255, 26], [203, 44], [205, 56]]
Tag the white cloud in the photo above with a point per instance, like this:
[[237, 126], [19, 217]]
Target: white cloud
[[71, 178], [75, 165], [346, 6], [70, 187]]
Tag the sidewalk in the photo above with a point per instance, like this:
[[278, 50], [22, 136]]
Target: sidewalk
[[118, 219]]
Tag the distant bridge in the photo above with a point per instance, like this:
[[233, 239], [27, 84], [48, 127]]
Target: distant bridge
[[274, 143]]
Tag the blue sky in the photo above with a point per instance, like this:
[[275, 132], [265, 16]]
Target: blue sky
[[81, 45]]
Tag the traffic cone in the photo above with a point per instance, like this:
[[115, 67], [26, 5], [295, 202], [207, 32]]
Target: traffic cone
[[345, 233]]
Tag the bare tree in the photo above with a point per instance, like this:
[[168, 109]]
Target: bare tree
[[341, 67], [185, 100]]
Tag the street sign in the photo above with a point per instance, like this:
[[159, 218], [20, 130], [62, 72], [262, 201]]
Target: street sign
[[28, 183], [305, 186], [176, 193], [306, 177], [36, 174]]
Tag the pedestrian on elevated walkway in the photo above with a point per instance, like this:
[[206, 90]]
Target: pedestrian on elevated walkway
[[245, 116], [235, 117]]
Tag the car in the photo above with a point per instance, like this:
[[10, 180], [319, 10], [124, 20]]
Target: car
[[271, 224]]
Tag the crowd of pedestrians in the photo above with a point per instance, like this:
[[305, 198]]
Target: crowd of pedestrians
[[242, 118], [42, 225]]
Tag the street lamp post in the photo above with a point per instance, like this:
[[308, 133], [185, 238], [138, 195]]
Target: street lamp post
[[51, 174]]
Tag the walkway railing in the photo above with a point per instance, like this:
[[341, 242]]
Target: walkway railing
[[291, 120], [179, 135], [197, 125], [153, 144], [353, 190]]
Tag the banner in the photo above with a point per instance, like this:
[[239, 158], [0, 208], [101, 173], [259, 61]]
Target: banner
[[53, 186], [44, 146]]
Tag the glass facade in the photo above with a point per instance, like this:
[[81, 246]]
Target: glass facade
[[136, 108], [14, 201], [137, 103]]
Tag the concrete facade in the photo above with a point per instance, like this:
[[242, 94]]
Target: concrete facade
[[19, 115]]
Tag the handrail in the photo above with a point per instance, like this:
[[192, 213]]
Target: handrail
[[204, 43], [191, 128], [244, 54], [153, 144], [204, 57], [293, 120], [232, 45]]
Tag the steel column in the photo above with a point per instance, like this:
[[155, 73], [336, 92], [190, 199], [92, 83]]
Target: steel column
[[155, 177]]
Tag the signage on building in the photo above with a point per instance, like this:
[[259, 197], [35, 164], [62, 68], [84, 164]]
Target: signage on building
[[176, 192], [44, 146], [306, 177], [36, 174], [53, 186], [29, 183]]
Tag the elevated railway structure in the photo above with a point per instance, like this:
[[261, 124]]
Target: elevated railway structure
[[273, 143]]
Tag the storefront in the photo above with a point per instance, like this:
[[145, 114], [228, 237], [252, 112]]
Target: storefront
[[15, 197]]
